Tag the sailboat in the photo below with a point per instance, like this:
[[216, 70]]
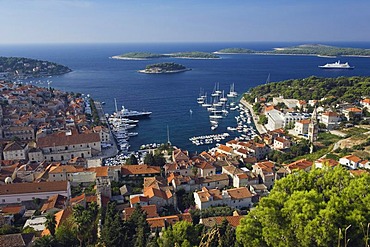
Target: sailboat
[[205, 104], [232, 93], [216, 90], [223, 98]]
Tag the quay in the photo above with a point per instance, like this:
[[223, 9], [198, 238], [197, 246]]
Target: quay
[[260, 128]]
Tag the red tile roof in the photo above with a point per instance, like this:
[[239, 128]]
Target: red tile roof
[[24, 188]]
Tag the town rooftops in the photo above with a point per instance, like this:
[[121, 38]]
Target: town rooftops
[[139, 169], [56, 201], [62, 139], [13, 146], [239, 193], [161, 222], [150, 210], [330, 114], [304, 121], [299, 165], [16, 240], [138, 199], [24, 188]]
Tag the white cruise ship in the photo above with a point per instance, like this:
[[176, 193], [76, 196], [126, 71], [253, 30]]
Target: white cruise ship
[[336, 65]]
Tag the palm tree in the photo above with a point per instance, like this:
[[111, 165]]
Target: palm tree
[[45, 241], [50, 223]]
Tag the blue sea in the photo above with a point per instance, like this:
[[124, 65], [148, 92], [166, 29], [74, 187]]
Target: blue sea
[[171, 96]]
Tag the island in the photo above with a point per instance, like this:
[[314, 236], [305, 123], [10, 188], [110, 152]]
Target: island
[[305, 49], [234, 51], [164, 68], [138, 56], [194, 55], [149, 55], [20, 68]]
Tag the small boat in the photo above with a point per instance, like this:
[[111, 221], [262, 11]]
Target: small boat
[[213, 127]]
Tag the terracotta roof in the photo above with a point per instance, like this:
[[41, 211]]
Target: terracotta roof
[[280, 139], [13, 146], [232, 169], [160, 222], [358, 172], [65, 168], [234, 221], [139, 169], [155, 182], [266, 166], [299, 165], [352, 158], [239, 193], [138, 199], [56, 201], [353, 109], [101, 171], [330, 114], [329, 162], [61, 139], [16, 209], [24, 188], [367, 100], [214, 178], [78, 199], [16, 240], [150, 210], [205, 194], [60, 217], [225, 148], [153, 192], [304, 121]]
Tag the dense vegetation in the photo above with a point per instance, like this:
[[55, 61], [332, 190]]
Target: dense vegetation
[[307, 49], [323, 50], [149, 55], [20, 67], [311, 209], [194, 54], [235, 50], [164, 68], [141, 55], [334, 90]]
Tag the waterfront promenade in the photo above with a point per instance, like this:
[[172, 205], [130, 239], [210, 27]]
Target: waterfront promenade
[[260, 128]]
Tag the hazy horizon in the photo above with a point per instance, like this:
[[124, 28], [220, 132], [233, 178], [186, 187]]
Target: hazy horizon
[[182, 21]]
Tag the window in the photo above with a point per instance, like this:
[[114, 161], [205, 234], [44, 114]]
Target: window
[[3, 200], [18, 199]]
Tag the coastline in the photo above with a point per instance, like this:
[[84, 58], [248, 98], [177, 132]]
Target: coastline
[[128, 58], [163, 72], [286, 54]]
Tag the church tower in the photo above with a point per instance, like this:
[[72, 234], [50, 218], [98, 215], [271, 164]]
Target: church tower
[[313, 127]]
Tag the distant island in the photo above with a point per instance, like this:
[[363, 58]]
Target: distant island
[[306, 49], [234, 51], [164, 68], [194, 55], [20, 67], [149, 55]]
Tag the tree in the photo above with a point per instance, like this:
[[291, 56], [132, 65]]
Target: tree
[[112, 231], [86, 223], [45, 241], [139, 227], [183, 232], [50, 223], [149, 159], [65, 234], [308, 208], [132, 160]]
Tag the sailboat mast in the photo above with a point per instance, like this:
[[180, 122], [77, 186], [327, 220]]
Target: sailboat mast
[[115, 104], [168, 135]]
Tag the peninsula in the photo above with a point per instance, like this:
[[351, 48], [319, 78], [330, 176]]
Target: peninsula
[[305, 49], [149, 55], [164, 68], [20, 67]]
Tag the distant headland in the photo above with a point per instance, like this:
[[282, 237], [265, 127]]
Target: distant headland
[[305, 49], [20, 67], [164, 68], [149, 55]]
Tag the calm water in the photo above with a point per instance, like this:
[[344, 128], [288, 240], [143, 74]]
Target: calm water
[[170, 97]]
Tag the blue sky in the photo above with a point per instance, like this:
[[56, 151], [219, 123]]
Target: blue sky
[[101, 21]]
